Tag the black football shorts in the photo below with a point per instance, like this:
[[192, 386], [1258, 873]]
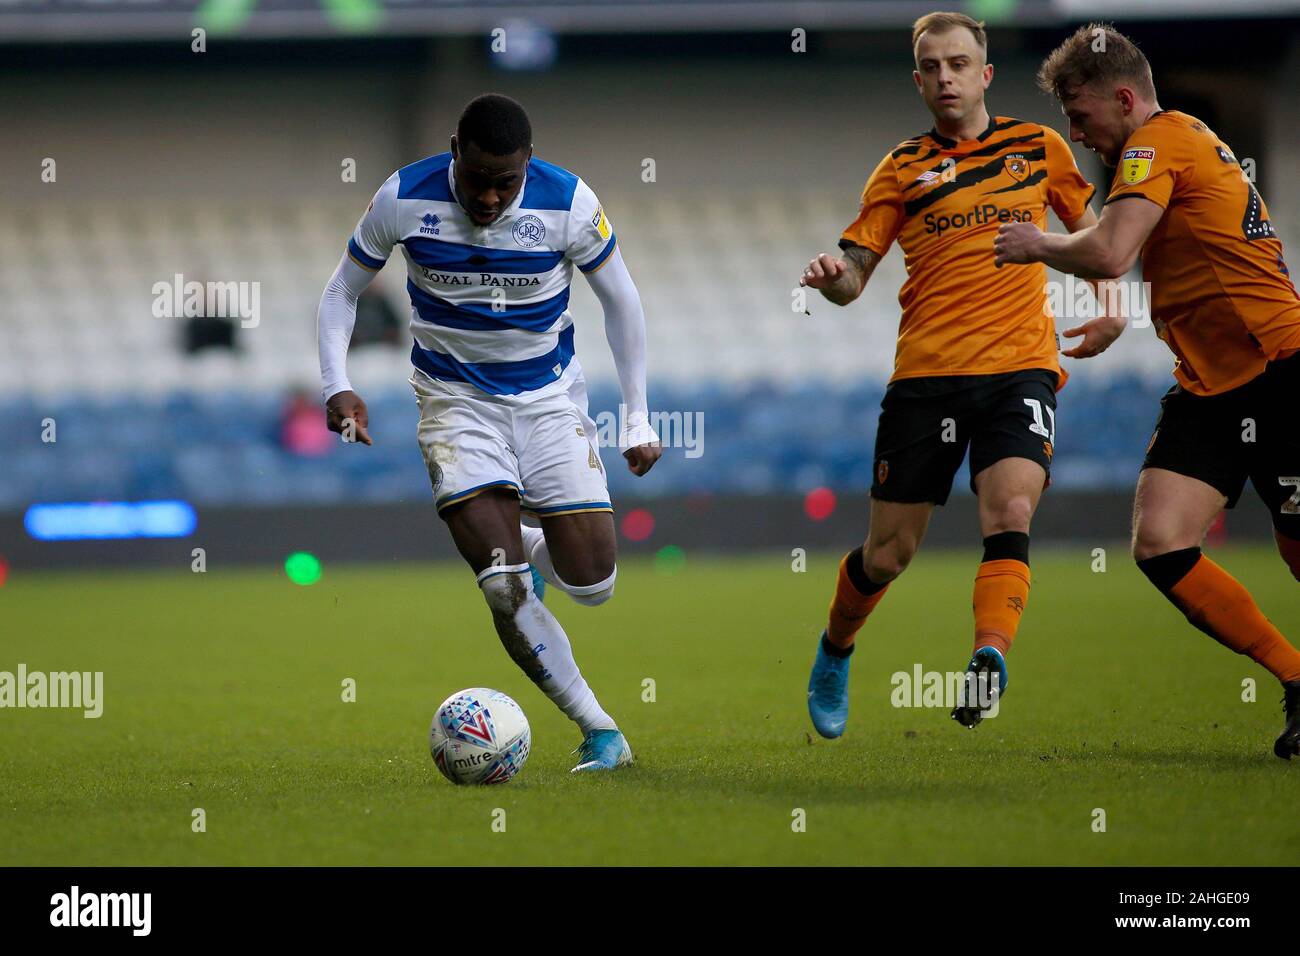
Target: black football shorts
[[927, 424], [1248, 432]]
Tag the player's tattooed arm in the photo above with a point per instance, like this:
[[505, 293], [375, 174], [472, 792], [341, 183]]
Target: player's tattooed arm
[[841, 280]]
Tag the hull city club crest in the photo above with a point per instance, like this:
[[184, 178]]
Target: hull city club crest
[[1017, 168]]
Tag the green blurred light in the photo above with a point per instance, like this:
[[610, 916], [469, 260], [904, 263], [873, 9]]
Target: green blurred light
[[302, 568], [223, 16], [669, 559], [354, 15], [992, 10]]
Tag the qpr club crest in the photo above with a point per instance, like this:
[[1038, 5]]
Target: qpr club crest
[[529, 231]]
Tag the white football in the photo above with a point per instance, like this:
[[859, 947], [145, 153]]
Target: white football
[[480, 735]]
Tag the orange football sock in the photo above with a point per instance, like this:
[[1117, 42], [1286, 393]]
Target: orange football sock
[[850, 606], [1215, 602], [1289, 548], [1001, 592]]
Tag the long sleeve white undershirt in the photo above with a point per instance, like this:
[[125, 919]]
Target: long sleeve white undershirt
[[612, 284], [335, 317], [625, 332]]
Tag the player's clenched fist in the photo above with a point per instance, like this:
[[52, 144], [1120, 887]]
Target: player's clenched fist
[[642, 458], [346, 414], [822, 273], [1016, 242]]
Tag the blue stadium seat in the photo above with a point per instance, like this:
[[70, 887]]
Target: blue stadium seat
[[759, 438]]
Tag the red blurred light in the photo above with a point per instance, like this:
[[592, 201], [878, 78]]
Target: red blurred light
[[819, 503], [638, 524]]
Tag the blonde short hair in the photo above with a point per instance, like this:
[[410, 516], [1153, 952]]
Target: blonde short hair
[[943, 22]]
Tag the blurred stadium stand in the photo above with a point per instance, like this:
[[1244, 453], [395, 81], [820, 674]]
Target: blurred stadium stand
[[226, 167], [223, 447]]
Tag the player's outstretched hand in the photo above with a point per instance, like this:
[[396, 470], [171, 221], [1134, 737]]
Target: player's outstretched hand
[[822, 273], [1016, 243], [346, 414], [1097, 336], [642, 458]]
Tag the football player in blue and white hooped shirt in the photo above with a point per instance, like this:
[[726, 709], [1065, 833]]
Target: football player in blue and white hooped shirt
[[491, 237]]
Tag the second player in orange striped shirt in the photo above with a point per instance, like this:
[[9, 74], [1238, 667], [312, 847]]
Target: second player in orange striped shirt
[[976, 366]]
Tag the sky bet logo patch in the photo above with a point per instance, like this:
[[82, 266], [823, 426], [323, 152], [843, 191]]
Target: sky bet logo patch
[[1135, 165]]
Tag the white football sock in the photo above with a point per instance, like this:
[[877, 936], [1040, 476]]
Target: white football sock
[[593, 594], [539, 556], [537, 643]]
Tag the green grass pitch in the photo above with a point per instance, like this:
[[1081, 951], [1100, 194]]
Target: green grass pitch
[[223, 691]]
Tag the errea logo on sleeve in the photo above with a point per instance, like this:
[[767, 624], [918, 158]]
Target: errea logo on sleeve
[[1135, 165]]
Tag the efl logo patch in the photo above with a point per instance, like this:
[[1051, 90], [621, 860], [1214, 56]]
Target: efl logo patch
[[1136, 164], [1017, 168], [601, 223]]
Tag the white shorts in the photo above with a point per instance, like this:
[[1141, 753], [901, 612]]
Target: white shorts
[[544, 450]]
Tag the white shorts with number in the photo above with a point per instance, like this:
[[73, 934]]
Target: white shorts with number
[[545, 449]]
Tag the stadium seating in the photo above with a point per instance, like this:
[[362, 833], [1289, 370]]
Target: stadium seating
[[222, 447], [788, 400]]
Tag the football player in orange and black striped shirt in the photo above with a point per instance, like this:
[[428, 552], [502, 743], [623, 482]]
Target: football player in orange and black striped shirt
[[976, 365], [1223, 301]]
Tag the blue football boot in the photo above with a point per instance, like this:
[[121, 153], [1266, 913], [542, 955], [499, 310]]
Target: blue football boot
[[987, 663], [828, 691], [602, 750]]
